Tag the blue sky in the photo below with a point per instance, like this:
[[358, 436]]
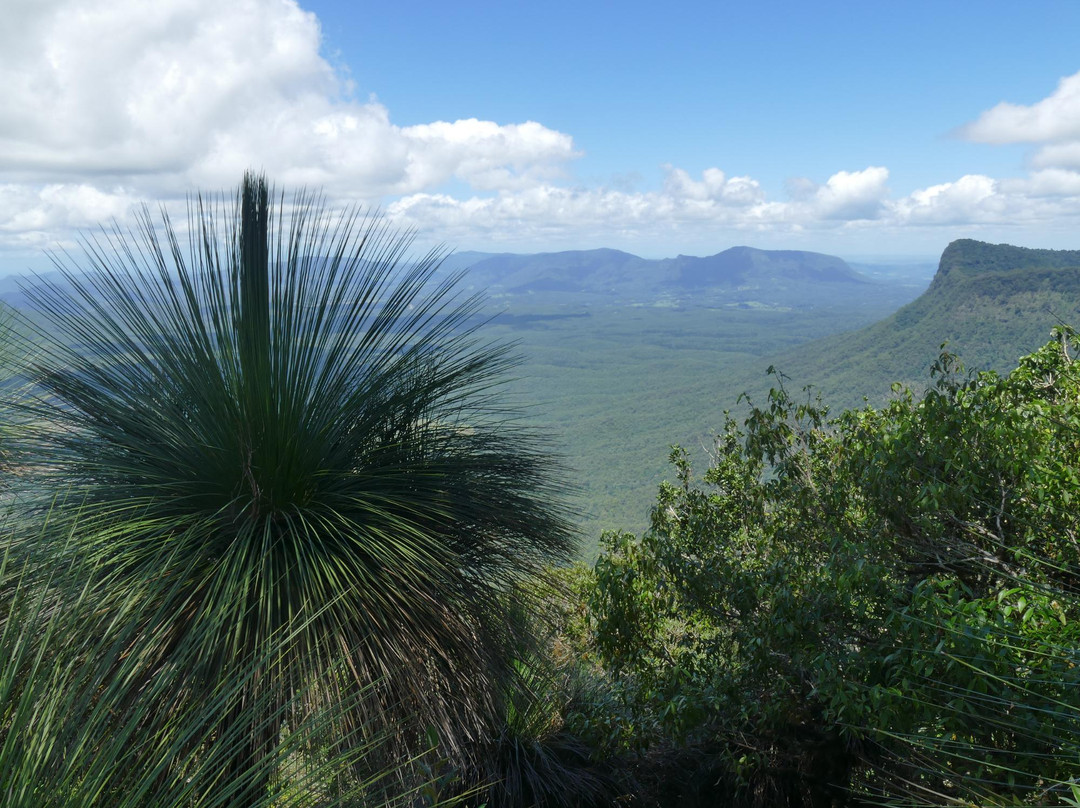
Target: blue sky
[[761, 88], [859, 129]]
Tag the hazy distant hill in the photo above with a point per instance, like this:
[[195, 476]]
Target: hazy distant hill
[[991, 303], [574, 271], [743, 266], [740, 276]]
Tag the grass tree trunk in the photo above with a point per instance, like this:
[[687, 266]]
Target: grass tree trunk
[[253, 326], [262, 700]]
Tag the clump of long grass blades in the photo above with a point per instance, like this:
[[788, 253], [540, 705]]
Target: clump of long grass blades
[[16, 350], [89, 716], [306, 421], [536, 760], [989, 683]]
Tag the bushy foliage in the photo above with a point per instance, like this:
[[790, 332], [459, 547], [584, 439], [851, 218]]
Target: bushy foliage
[[975, 484], [880, 604]]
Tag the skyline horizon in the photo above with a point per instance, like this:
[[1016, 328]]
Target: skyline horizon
[[892, 259]]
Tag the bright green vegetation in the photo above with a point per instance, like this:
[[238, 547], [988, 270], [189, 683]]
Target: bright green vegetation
[[84, 724], [989, 303], [882, 607], [615, 387]]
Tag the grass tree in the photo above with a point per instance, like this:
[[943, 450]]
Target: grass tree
[[74, 733], [300, 424]]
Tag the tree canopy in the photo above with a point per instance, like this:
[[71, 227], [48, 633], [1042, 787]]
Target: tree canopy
[[882, 603]]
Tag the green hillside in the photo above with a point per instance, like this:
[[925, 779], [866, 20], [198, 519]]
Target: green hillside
[[991, 303], [617, 387]]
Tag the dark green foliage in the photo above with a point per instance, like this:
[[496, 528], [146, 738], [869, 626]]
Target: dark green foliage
[[296, 426], [81, 724], [536, 761], [975, 484], [725, 623], [977, 258], [978, 479]]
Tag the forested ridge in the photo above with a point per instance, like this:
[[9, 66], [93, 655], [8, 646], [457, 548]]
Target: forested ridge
[[990, 303], [273, 538]]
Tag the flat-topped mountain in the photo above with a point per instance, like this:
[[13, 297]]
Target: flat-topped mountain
[[738, 276], [990, 303], [969, 259], [740, 266]]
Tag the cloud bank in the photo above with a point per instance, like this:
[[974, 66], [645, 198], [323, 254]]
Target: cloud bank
[[106, 102]]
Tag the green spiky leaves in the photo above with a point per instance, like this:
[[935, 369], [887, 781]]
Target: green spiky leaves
[[306, 419]]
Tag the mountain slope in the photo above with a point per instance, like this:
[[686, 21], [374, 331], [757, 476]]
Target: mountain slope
[[739, 276], [989, 303], [746, 265], [570, 271]]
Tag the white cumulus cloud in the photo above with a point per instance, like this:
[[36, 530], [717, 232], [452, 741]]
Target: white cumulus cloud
[[1058, 155], [36, 217], [684, 203], [1048, 182], [1053, 122], [137, 99], [714, 186], [1056, 117], [853, 194], [104, 103], [971, 198]]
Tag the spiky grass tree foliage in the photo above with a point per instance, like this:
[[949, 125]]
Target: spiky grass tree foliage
[[305, 418], [74, 733], [15, 350]]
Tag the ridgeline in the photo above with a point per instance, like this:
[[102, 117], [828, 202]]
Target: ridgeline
[[988, 304]]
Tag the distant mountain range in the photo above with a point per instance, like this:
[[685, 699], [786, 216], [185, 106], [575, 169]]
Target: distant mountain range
[[989, 303], [740, 276], [626, 355]]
